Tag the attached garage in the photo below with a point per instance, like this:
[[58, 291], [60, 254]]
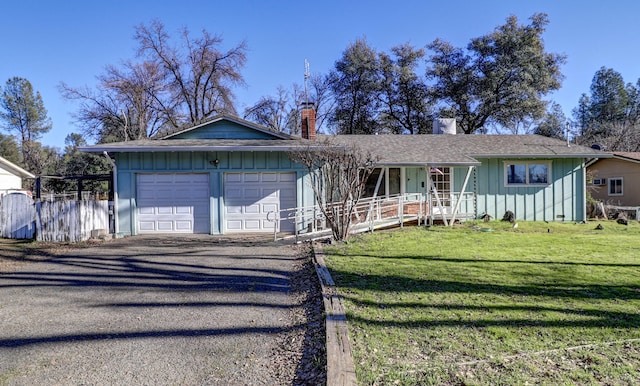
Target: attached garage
[[221, 176], [249, 197], [173, 203]]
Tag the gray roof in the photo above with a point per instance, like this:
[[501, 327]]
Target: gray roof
[[445, 149], [421, 149]]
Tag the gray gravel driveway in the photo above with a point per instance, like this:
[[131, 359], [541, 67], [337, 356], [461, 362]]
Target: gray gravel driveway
[[188, 310]]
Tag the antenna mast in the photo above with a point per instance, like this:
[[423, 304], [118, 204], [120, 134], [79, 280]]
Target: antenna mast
[[307, 75]]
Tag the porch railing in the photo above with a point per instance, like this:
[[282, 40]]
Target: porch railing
[[452, 206], [367, 214]]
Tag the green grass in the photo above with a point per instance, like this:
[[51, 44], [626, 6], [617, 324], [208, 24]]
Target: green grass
[[542, 303]]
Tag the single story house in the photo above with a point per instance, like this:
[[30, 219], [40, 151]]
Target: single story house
[[616, 180], [11, 176], [226, 175]]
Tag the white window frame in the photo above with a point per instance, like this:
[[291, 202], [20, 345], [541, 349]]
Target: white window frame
[[527, 164], [609, 180]]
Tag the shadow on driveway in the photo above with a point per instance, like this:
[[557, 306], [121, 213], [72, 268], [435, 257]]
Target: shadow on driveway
[[149, 310]]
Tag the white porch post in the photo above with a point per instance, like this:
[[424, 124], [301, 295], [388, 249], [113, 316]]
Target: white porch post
[[464, 187], [438, 201]]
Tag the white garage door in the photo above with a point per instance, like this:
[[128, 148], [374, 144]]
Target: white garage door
[[177, 202], [249, 197]]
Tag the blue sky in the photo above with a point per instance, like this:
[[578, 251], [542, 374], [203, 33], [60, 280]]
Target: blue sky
[[71, 41]]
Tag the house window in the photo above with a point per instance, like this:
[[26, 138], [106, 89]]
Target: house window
[[390, 183], [394, 181], [441, 177], [523, 173], [615, 186]]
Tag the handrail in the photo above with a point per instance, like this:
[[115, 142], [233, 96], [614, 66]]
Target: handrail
[[369, 211]]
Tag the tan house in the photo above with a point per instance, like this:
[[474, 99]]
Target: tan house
[[616, 180]]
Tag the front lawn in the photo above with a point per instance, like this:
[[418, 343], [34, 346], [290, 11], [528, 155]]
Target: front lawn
[[488, 303]]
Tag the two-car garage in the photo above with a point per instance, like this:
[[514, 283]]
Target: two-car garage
[[182, 202]]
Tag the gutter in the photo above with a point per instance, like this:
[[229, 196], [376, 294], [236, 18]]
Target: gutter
[[116, 227], [430, 163], [534, 156], [151, 149]]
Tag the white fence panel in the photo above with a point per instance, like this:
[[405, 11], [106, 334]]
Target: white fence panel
[[70, 221], [17, 213]]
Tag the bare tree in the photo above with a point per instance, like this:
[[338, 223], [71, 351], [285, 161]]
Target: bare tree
[[277, 113], [282, 112], [124, 107], [199, 76], [340, 174]]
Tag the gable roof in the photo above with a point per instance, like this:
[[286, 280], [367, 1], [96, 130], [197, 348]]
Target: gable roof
[[14, 169], [622, 155], [225, 117], [183, 139], [446, 149], [627, 156]]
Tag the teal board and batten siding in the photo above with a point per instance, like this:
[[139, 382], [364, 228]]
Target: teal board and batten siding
[[564, 196], [415, 180], [130, 164], [223, 130]]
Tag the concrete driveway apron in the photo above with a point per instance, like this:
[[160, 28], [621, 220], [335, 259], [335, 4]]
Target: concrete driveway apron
[[147, 310]]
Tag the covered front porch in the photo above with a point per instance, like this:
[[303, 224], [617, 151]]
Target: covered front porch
[[448, 191], [397, 195]]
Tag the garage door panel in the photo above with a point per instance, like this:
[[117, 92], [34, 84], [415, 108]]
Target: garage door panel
[[233, 209], [146, 225], [287, 177], [183, 225], [253, 193], [173, 202], [164, 210], [252, 225], [270, 177], [164, 226], [288, 194], [252, 209], [270, 193], [146, 210], [250, 177], [257, 194], [266, 208], [234, 225], [233, 177], [183, 210]]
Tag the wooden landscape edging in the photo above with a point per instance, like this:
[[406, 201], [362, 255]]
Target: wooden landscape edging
[[340, 367]]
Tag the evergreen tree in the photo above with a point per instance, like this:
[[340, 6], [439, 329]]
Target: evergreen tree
[[25, 115]]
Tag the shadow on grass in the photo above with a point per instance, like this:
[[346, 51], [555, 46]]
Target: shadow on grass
[[395, 283], [433, 316], [540, 260], [592, 318]]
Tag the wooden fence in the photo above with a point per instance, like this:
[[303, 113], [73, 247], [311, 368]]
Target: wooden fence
[[71, 221], [17, 215]]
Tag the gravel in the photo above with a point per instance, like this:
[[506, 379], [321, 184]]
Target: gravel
[[156, 311]]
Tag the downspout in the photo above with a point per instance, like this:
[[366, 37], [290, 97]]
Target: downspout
[[116, 226]]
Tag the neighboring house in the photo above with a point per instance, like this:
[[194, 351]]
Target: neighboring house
[[616, 180], [227, 174], [11, 176]]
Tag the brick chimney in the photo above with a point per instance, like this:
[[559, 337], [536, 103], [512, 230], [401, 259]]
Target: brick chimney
[[308, 121]]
